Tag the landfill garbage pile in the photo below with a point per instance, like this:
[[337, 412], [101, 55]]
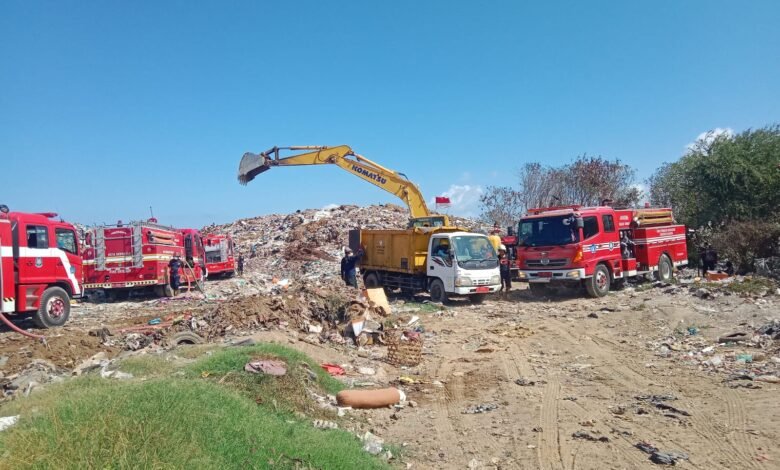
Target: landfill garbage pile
[[308, 244]]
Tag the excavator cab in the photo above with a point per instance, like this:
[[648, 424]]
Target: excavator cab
[[432, 221]]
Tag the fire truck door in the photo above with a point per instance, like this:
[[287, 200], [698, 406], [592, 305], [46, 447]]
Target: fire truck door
[[36, 261], [67, 244]]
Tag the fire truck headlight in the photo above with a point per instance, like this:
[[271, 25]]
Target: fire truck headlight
[[521, 275], [573, 274], [462, 281], [495, 279]]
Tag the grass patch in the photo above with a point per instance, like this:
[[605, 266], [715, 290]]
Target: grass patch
[[165, 423], [424, 307], [753, 286], [146, 366], [282, 394]]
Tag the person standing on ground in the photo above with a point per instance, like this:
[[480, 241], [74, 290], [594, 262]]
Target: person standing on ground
[[240, 266], [174, 275], [506, 272], [710, 259], [349, 266]]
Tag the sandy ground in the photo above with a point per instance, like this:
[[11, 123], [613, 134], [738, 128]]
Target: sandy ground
[[587, 373], [585, 369]]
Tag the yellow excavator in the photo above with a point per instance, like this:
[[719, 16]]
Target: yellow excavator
[[346, 159]]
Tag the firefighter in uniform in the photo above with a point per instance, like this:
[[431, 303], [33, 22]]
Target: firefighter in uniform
[[174, 274]]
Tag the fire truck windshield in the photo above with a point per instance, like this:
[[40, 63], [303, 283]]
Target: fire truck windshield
[[547, 231], [474, 252]]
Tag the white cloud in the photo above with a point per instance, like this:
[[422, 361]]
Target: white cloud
[[705, 139], [464, 199]]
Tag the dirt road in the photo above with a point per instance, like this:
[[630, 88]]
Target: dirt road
[[586, 373]]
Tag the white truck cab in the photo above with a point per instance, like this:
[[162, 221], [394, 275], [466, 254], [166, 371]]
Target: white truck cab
[[462, 263]]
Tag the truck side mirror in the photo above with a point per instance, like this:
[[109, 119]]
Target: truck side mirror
[[580, 222]]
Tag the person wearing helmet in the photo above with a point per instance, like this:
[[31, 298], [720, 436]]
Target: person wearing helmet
[[495, 237], [506, 272]]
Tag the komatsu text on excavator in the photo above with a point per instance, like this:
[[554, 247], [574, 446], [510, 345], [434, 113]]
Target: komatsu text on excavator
[[346, 159]]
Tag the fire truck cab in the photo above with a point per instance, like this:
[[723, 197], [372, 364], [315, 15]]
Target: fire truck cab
[[40, 266], [597, 247], [220, 258]]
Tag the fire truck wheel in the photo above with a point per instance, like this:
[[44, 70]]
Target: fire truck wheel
[[598, 285], [438, 294], [371, 280], [54, 309], [664, 273]]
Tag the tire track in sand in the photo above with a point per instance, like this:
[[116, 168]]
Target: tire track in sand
[[549, 448]]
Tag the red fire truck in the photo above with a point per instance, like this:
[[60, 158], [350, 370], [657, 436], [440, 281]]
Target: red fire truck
[[40, 266], [219, 255], [597, 247], [123, 257]]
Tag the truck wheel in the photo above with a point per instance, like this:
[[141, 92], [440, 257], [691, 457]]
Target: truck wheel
[[438, 294], [54, 309], [538, 290], [664, 273], [477, 299], [598, 284], [371, 280]]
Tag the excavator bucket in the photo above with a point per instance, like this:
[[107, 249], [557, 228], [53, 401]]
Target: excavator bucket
[[252, 165]]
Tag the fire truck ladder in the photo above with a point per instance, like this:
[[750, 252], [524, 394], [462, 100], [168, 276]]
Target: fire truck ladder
[[100, 249], [138, 243]]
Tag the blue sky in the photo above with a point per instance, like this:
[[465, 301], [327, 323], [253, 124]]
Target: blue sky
[[109, 107]]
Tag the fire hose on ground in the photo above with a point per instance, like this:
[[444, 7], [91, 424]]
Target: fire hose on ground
[[19, 330]]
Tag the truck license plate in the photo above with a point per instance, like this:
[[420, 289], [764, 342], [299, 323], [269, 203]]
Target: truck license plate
[[545, 274], [482, 290]]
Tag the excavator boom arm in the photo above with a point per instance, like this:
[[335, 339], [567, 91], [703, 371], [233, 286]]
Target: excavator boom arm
[[254, 164]]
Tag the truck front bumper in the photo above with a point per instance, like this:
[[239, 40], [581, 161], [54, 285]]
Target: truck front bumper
[[551, 275], [476, 290]]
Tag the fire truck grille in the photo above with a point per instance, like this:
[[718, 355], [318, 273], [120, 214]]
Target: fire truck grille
[[550, 263]]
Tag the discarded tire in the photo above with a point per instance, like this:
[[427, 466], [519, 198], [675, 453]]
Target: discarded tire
[[184, 337]]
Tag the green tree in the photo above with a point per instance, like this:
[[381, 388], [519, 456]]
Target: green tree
[[727, 178]]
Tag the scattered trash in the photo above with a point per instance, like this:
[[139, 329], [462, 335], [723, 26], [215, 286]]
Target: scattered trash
[[661, 458], [746, 358], [154, 321], [366, 371], [693, 330], [593, 315], [323, 424], [367, 399], [333, 369], [483, 408], [570, 398], [269, 367], [523, 382], [8, 421], [372, 443], [589, 437]]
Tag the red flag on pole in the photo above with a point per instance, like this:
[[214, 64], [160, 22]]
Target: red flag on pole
[[442, 200]]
